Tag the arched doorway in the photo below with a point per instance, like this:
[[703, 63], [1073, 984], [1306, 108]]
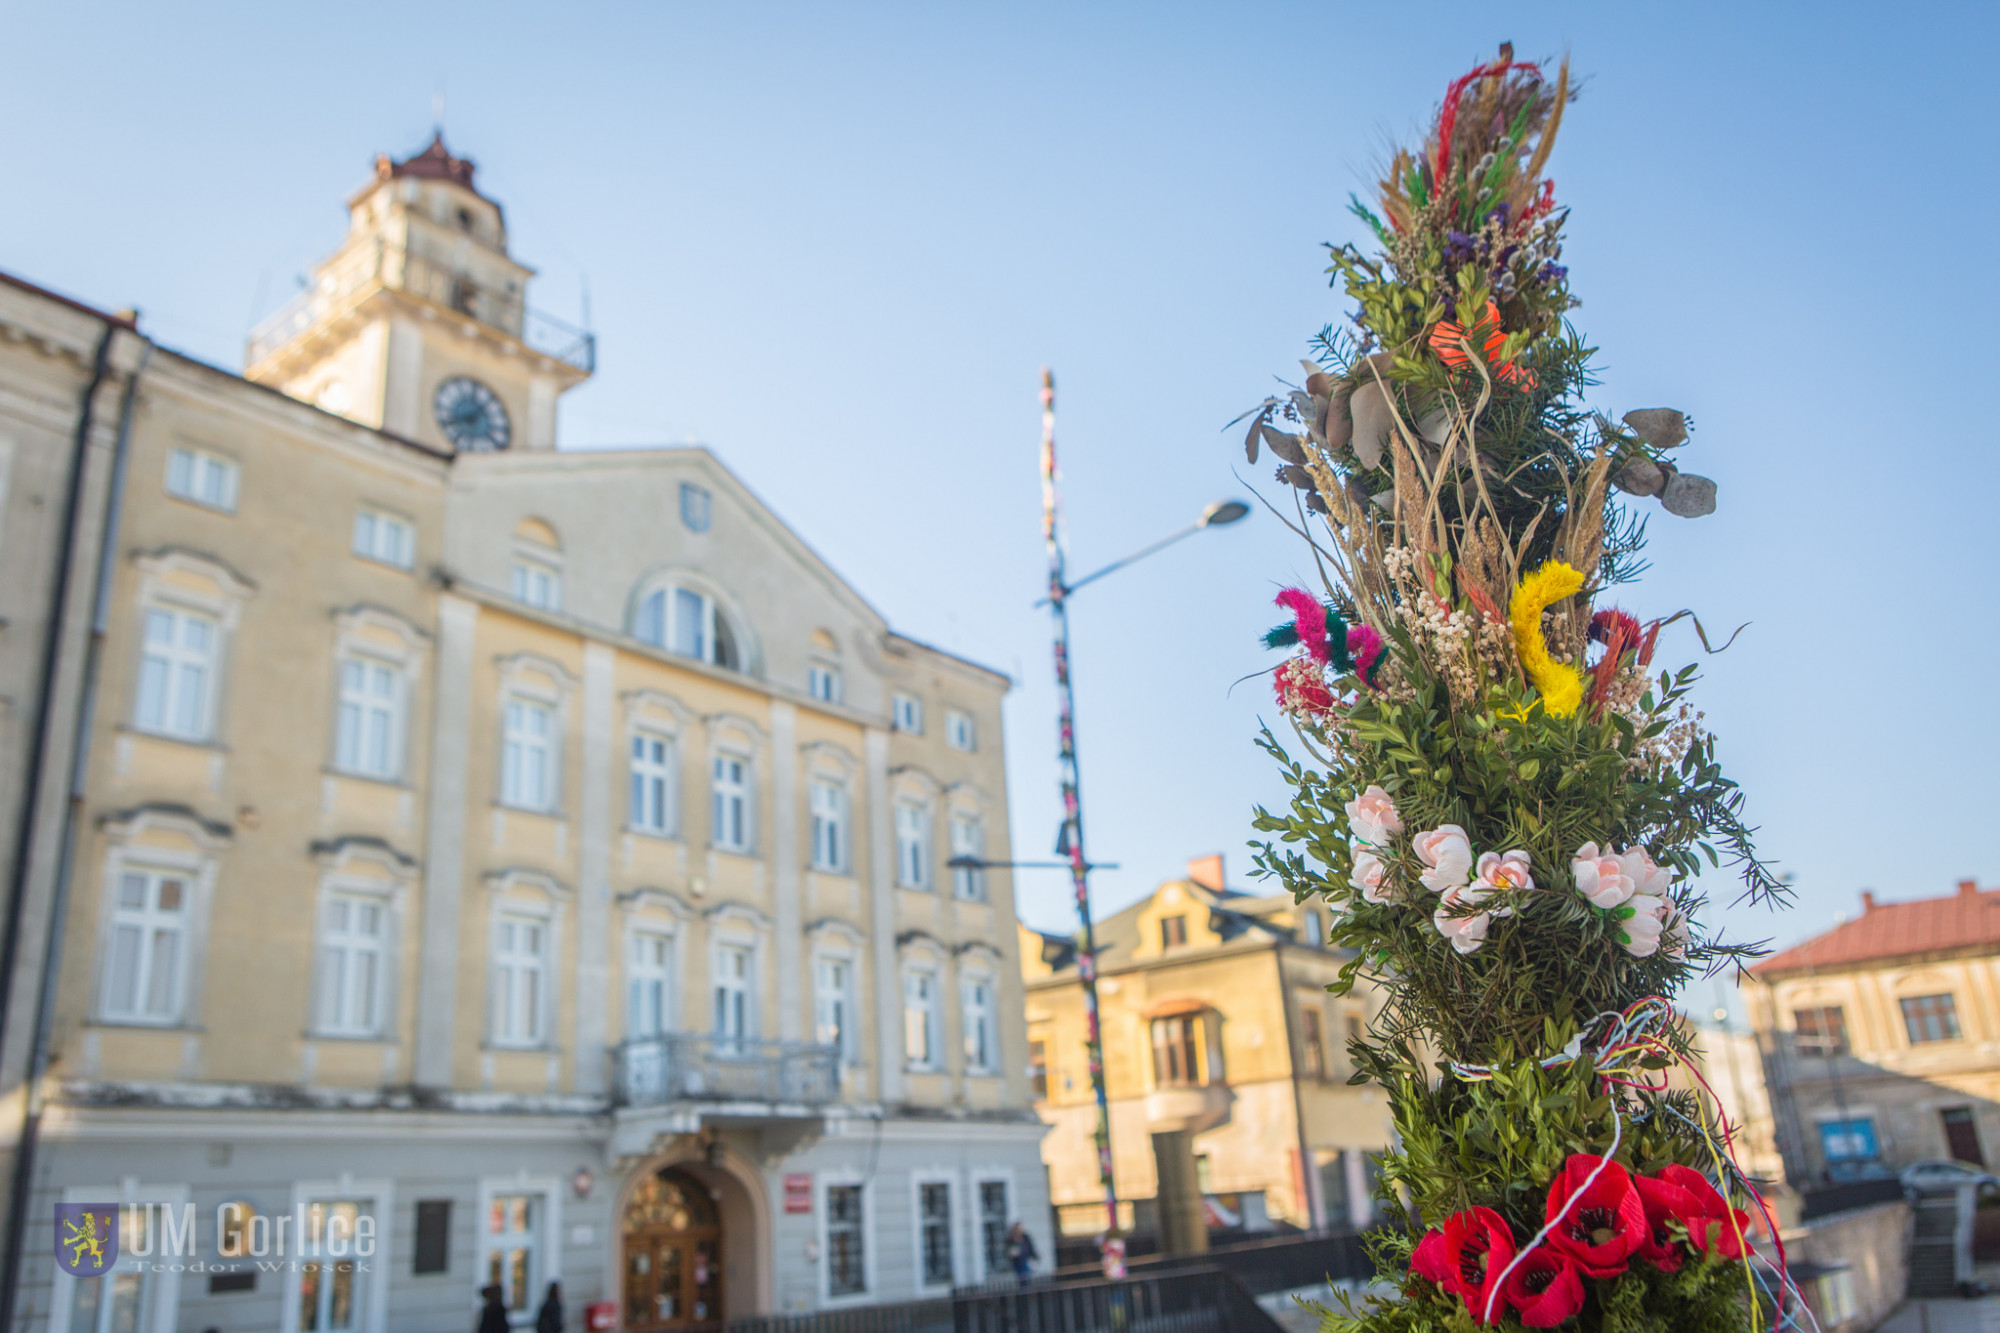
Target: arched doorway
[[673, 1254]]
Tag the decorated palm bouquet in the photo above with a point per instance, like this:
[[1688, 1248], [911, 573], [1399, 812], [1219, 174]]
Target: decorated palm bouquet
[[1502, 794]]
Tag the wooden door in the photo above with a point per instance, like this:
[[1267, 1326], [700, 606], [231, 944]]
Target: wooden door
[[673, 1255], [1962, 1135]]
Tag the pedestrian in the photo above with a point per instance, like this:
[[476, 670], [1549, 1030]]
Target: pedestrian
[[493, 1315], [550, 1319], [1021, 1251]]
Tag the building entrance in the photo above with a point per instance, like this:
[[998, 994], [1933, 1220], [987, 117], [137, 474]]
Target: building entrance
[[673, 1254]]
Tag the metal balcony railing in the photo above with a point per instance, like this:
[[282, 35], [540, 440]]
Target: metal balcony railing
[[348, 281], [686, 1066]]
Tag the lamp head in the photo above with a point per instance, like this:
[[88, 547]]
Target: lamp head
[[1223, 511]]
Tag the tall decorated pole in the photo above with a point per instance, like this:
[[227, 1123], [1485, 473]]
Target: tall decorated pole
[[1072, 834]]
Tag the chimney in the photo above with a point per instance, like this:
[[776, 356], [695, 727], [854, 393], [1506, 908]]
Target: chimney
[[1207, 872], [1968, 887], [1867, 901]]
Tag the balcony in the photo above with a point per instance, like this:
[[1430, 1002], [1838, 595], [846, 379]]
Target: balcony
[[350, 279], [1190, 1107], [690, 1067]]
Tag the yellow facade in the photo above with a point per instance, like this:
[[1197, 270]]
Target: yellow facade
[[1279, 1134]]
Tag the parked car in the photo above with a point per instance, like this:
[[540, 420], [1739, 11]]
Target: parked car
[[1936, 1177]]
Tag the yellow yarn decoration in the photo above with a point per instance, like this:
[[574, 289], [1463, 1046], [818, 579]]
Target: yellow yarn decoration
[[1561, 684]]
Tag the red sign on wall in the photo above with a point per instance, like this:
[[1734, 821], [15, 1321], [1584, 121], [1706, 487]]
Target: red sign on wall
[[799, 1192]]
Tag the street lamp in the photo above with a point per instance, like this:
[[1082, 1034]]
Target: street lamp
[[1070, 844]]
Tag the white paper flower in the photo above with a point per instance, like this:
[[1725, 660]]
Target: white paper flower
[[1368, 874], [1447, 854], [1601, 877], [1642, 929], [1372, 817], [1466, 932], [1504, 870], [1646, 877]]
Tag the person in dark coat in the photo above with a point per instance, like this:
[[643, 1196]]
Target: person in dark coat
[[1021, 1251], [550, 1319], [493, 1314]]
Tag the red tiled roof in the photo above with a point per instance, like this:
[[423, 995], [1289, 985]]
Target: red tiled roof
[[435, 162], [1968, 919]]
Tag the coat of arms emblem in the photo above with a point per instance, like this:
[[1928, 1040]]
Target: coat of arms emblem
[[86, 1238]]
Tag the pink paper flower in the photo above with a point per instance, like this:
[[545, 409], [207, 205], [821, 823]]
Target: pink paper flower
[[1369, 873], [1641, 930], [1372, 817], [1504, 870], [1646, 877], [1466, 932], [1601, 877], [1447, 854]]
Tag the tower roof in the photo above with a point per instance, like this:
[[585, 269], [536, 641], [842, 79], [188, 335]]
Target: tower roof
[[435, 162]]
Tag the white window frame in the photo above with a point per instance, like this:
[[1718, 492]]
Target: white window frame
[[830, 825], [990, 1012], [744, 989], [174, 661], [135, 847], [160, 1289], [837, 1007], [385, 538], [823, 682], [981, 1178], [959, 731], [907, 713], [516, 744], [726, 834], [366, 706], [189, 472], [918, 1181], [151, 921], [968, 838], [913, 843], [930, 1012], [503, 1005], [338, 951], [663, 972], [546, 1266], [648, 776], [535, 583], [372, 1314], [165, 577], [849, 1179]]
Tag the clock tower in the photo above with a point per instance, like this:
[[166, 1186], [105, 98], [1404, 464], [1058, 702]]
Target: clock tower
[[419, 323]]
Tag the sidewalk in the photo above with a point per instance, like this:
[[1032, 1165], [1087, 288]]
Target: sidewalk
[[1945, 1315]]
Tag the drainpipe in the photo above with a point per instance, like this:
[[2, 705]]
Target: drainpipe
[[1308, 1172], [38, 1065]]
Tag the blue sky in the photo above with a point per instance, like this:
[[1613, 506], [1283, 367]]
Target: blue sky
[[837, 243]]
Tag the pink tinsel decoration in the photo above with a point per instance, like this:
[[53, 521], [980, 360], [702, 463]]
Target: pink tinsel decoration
[[1365, 645], [1310, 617]]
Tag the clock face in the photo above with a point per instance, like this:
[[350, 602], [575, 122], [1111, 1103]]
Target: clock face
[[471, 415]]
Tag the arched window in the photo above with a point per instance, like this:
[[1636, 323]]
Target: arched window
[[688, 623]]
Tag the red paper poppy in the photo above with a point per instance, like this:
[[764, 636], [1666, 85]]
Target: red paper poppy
[[1477, 1247], [1450, 339], [1600, 1226], [1544, 1288], [1428, 1261], [1714, 1226], [1663, 1203]]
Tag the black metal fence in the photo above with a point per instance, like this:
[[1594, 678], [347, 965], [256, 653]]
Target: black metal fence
[[679, 1066], [1840, 1198], [1196, 1300], [932, 1316], [1263, 1264]]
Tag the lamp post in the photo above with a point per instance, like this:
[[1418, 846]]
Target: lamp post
[[1070, 843]]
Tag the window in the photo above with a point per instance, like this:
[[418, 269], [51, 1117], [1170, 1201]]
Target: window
[[385, 539], [149, 930], [649, 972], [975, 1002], [846, 1257], [128, 1298], [908, 714], [368, 736], [934, 1219], [920, 1019], [732, 994], [687, 624], [351, 962], [1038, 1070], [958, 732], [652, 784], [1930, 1018], [1821, 1031], [519, 965], [1177, 1043], [729, 828], [1173, 931], [823, 682], [527, 767], [833, 1008], [968, 839], [1315, 933], [537, 585], [203, 478], [829, 826], [512, 1246], [697, 507], [1313, 1043], [331, 1281], [995, 1220], [912, 845], [176, 671], [433, 1248]]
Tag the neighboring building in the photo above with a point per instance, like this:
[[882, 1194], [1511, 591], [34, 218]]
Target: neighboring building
[[537, 859], [1882, 1037], [1219, 1041], [1733, 1069]]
